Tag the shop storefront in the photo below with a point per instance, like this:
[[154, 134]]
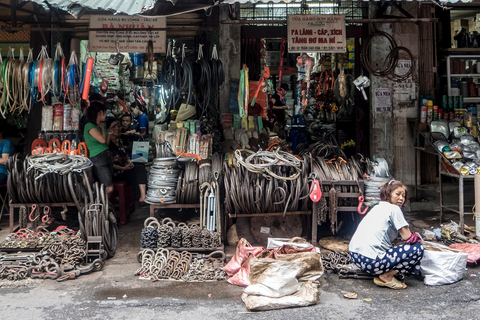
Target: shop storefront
[[259, 121]]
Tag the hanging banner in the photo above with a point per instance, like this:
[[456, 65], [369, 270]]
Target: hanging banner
[[316, 33], [128, 40]]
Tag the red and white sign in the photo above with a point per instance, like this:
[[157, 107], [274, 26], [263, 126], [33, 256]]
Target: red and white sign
[[316, 33], [129, 40]]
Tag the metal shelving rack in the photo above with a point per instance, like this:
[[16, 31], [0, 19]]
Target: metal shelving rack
[[462, 75]]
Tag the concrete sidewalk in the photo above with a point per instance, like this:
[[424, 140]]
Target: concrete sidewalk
[[114, 293]]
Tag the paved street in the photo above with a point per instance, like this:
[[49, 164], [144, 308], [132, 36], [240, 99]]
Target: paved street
[[114, 293]]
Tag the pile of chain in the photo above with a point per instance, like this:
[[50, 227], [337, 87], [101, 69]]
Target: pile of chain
[[26, 238], [163, 181], [13, 273], [335, 260], [265, 182], [206, 268], [168, 234], [164, 264], [50, 178], [148, 238], [13, 267], [68, 250]]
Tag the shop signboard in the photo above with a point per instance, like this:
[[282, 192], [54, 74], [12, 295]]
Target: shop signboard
[[129, 40], [316, 33]]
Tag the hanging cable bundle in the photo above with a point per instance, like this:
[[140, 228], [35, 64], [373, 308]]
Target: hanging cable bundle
[[171, 81], [202, 80], [391, 61], [217, 79]]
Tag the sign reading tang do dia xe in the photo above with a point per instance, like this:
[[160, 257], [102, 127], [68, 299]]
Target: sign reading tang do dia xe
[[316, 33], [128, 40]]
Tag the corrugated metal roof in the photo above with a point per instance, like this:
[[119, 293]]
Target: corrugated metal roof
[[446, 2], [129, 7]]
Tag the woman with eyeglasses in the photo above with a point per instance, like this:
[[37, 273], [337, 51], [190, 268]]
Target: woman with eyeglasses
[[371, 247]]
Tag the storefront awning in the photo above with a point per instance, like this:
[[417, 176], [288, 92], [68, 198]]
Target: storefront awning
[[329, 1], [75, 7]]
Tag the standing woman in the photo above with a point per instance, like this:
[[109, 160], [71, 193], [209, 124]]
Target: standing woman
[[97, 140], [371, 246], [140, 133]]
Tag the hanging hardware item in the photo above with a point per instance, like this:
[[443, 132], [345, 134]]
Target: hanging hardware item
[[72, 80], [243, 92], [280, 69]]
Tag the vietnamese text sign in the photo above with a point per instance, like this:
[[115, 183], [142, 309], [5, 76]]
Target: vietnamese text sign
[[128, 40], [383, 102], [316, 33]]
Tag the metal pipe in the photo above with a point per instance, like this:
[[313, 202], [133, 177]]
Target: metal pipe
[[284, 21]]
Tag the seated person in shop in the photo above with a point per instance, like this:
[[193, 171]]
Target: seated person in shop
[[279, 108], [371, 246], [140, 133], [126, 126], [7, 149], [123, 167]]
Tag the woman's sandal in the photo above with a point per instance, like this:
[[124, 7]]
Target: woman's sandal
[[394, 284]]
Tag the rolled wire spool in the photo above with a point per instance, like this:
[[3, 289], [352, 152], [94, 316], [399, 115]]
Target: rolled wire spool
[[162, 181], [372, 190]]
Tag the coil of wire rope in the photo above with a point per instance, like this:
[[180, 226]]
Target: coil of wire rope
[[248, 189], [187, 186], [46, 179], [391, 60], [162, 181]]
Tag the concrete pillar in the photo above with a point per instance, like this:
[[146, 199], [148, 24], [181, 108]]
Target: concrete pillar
[[391, 137], [229, 54]]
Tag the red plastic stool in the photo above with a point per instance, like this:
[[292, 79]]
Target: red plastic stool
[[125, 203]]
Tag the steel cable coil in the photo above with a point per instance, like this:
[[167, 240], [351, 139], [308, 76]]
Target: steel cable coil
[[391, 60], [250, 188], [188, 186], [162, 181]]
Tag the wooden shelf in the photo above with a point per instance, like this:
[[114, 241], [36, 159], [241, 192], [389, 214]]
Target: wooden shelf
[[247, 215], [172, 206]]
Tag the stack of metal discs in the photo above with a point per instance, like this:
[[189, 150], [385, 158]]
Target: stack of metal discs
[[372, 190], [162, 181]]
